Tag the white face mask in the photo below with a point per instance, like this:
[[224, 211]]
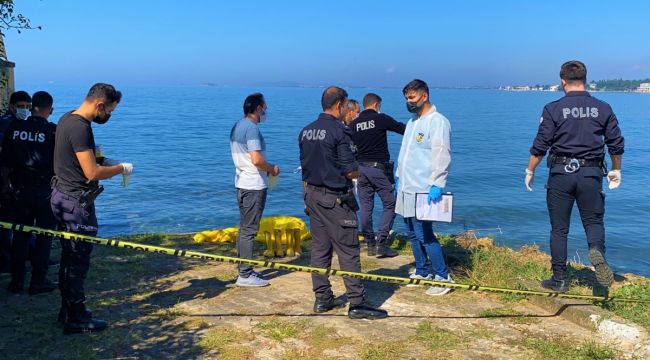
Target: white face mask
[[263, 117], [22, 114]]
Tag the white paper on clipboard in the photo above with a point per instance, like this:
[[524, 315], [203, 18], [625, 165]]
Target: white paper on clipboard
[[436, 211]]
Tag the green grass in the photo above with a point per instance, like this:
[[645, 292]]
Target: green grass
[[278, 329], [638, 313], [323, 338], [381, 351], [506, 313], [435, 338], [224, 340], [561, 349]]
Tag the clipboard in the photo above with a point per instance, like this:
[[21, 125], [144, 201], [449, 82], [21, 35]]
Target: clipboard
[[441, 211]]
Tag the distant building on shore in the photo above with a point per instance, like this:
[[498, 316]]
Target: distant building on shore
[[643, 88]]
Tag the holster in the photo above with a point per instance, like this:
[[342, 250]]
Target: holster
[[88, 197], [349, 201]]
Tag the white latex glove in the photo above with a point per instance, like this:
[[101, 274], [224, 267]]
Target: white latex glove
[[530, 177], [127, 168], [126, 173], [614, 179]]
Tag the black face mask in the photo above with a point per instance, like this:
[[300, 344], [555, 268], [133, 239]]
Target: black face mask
[[413, 107], [101, 120]]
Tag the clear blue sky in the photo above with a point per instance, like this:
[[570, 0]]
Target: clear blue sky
[[366, 43]]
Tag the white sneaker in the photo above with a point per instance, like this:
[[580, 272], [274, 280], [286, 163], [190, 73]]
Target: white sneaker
[[437, 290], [251, 281], [419, 277]]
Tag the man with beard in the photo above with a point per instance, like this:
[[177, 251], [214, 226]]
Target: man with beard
[[75, 187]]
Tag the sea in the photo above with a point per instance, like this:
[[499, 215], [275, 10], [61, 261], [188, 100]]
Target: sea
[[177, 138]]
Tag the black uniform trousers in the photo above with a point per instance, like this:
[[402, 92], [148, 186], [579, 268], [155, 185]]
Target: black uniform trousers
[[333, 228], [583, 187], [32, 207], [75, 255]]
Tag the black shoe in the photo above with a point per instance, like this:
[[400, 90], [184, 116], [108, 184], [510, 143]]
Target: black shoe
[[15, 287], [322, 306], [604, 275], [384, 251], [365, 311], [80, 321], [372, 250], [45, 287], [556, 285]]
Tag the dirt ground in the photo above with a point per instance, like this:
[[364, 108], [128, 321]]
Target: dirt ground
[[163, 307]]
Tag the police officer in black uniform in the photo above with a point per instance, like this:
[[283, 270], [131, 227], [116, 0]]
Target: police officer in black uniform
[[576, 128], [328, 166], [75, 188], [19, 104], [27, 156], [376, 172]]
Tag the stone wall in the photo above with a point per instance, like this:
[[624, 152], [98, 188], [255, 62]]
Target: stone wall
[[6, 83]]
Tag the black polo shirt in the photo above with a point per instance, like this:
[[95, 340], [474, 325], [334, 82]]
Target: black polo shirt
[[326, 153], [28, 149], [74, 134], [578, 126], [369, 135]]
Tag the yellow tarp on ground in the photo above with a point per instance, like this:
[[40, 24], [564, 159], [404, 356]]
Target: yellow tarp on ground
[[268, 224]]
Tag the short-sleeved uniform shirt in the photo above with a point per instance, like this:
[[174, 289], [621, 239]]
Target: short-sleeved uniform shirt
[[369, 135], [326, 153], [28, 149], [245, 137], [578, 126], [73, 134]]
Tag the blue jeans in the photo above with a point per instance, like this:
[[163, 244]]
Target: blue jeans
[[425, 247]]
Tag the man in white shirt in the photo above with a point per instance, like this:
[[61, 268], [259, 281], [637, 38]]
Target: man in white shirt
[[251, 180]]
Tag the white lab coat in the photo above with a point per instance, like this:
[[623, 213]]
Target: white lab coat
[[424, 159]]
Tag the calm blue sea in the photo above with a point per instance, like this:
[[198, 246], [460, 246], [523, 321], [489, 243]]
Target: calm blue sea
[[177, 139]]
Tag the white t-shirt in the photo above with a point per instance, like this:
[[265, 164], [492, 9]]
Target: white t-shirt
[[245, 137]]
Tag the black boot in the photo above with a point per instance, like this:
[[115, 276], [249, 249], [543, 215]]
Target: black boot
[[372, 246], [604, 275], [372, 249], [384, 251], [365, 311], [321, 305], [80, 321], [560, 286], [45, 287]]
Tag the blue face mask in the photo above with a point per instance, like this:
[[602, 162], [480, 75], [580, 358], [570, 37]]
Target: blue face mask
[[22, 114], [263, 116]]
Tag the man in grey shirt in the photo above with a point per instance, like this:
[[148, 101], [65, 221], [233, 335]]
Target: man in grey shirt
[[251, 180]]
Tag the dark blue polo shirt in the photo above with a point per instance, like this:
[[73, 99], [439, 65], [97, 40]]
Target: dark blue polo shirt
[[369, 135], [326, 153], [28, 149], [578, 126]]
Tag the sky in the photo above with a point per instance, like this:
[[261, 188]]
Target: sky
[[351, 43]]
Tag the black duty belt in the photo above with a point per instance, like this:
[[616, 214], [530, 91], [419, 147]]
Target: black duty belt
[[374, 164], [565, 160], [328, 190]]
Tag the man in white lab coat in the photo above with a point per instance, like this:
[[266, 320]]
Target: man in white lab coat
[[422, 168]]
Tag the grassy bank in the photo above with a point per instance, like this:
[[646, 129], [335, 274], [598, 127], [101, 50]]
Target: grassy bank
[[142, 295]]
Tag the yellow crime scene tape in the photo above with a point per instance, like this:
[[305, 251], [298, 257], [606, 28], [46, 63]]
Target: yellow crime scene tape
[[289, 267]]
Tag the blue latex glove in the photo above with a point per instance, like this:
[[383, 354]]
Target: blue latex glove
[[435, 194], [396, 184]]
